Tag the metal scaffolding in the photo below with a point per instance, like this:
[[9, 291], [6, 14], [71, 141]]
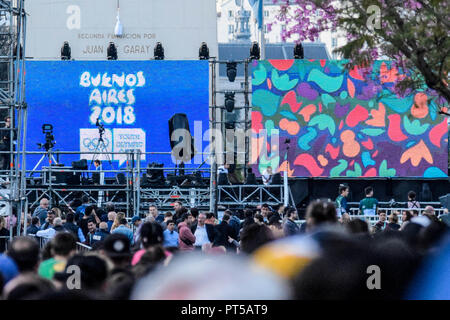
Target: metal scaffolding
[[12, 105], [218, 123]]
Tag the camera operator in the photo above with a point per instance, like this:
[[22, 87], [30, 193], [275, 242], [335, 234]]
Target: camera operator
[[5, 143]]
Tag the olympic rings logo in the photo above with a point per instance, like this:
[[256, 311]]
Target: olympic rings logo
[[91, 144]]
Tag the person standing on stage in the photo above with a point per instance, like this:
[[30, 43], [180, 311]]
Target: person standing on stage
[[5, 143], [341, 201]]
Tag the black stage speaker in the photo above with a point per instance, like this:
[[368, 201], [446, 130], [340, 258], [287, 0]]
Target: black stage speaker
[[181, 142]]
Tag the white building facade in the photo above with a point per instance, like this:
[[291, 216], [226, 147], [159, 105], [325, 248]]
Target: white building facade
[[229, 10]]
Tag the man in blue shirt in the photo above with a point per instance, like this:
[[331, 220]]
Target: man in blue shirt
[[79, 213], [123, 229], [170, 235]]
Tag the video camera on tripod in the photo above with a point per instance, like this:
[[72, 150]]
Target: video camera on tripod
[[50, 142], [100, 126]]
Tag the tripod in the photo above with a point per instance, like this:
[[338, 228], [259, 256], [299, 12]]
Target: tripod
[[101, 147], [50, 158]]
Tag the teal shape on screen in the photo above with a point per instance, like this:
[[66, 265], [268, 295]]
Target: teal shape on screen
[[414, 127], [384, 171], [267, 101], [434, 172], [373, 132], [396, 104], [269, 126], [283, 82], [357, 172], [259, 75], [367, 159], [324, 81], [289, 115], [323, 121], [337, 170], [327, 99], [304, 140]]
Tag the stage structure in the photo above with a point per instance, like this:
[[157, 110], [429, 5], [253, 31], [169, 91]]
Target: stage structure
[[315, 119], [12, 104], [231, 128]]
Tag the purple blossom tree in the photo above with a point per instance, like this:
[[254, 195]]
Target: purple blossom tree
[[413, 34]]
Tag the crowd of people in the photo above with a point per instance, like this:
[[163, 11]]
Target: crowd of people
[[257, 253]]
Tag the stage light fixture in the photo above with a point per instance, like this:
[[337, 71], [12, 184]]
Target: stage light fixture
[[231, 71], [112, 51], [298, 51], [66, 52], [230, 125], [159, 51], [203, 52], [229, 101], [255, 51]]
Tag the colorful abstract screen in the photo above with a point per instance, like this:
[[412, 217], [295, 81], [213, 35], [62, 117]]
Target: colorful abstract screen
[[314, 118]]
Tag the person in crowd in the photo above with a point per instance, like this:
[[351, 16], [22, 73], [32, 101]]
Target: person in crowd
[[248, 217], [445, 217], [110, 207], [253, 236], [211, 218], [25, 253], [412, 202], [177, 205], [73, 228], [89, 213], [186, 238], [234, 223], [136, 221], [406, 217], [194, 213], [79, 212], [111, 217], [93, 272], [267, 176], [280, 211], [152, 236], [4, 234], [170, 235], [92, 229], [393, 222], [179, 213], [116, 248], [49, 220], [265, 211], [368, 206], [341, 200], [381, 224], [320, 212], [63, 245], [52, 230], [275, 226], [429, 213], [42, 210], [153, 211], [125, 230], [221, 233], [290, 227], [100, 234], [35, 226], [167, 216], [258, 218], [117, 219], [357, 227], [204, 233]]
